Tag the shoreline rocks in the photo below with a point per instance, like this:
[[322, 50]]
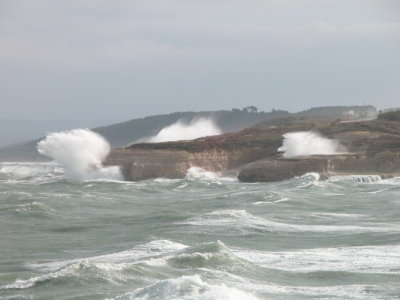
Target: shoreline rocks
[[385, 165], [252, 153]]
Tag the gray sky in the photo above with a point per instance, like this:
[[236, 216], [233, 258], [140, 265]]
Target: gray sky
[[122, 59]]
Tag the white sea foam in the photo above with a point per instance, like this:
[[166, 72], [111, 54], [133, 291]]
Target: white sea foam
[[198, 127], [197, 173], [241, 219], [81, 152], [109, 266], [361, 259], [355, 178], [146, 251], [27, 283], [188, 288], [355, 291], [26, 170], [306, 143]]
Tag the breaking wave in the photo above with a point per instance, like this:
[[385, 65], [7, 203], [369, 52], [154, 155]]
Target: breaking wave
[[30, 170], [356, 178], [196, 173], [198, 127], [81, 153], [188, 287], [306, 143]]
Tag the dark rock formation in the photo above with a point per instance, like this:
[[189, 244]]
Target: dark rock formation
[[386, 164], [375, 148]]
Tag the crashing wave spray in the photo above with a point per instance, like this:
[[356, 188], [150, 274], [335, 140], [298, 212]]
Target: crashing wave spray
[[198, 127], [356, 178], [305, 143], [81, 152]]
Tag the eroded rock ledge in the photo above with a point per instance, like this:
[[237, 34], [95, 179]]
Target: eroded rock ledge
[[383, 164], [374, 148]]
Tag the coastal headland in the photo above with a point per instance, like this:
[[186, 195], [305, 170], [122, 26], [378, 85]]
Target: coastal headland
[[372, 148]]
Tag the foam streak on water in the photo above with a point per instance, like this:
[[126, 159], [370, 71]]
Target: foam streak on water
[[202, 237]]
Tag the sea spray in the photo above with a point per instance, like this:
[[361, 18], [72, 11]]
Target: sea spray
[[198, 127], [305, 143], [197, 173], [81, 153], [356, 178]]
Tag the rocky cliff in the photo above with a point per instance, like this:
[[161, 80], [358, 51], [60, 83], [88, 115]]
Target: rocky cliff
[[373, 147]]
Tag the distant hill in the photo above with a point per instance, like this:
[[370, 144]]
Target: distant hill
[[366, 112], [390, 116], [121, 134], [323, 115]]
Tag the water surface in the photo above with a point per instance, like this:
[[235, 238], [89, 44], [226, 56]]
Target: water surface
[[202, 237]]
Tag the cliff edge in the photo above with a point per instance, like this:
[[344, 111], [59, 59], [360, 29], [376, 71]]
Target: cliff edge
[[373, 147]]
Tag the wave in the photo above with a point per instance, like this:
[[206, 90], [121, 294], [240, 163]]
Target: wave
[[355, 178], [113, 267], [140, 252], [216, 262], [30, 170], [187, 288], [27, 283], [361, 259], [81, 152], [196, 173], [32, 209], [214, 255], [240, 219], [130, 264]]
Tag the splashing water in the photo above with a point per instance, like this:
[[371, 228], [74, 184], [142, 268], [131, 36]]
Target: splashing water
[[198, 127], [305, 143], [81, 152], [356, 178]]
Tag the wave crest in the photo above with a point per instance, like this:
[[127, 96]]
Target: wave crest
[[188, 287]]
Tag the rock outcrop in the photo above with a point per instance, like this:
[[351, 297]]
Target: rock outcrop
[[373, 147], [386, 164]]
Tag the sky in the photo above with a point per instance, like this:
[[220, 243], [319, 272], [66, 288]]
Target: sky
[[124, 59]]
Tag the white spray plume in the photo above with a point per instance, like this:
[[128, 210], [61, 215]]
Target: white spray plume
[[197, 128], [81, 152], [305, 143]]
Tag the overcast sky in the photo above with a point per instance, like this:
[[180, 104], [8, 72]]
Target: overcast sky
[[122, 59]]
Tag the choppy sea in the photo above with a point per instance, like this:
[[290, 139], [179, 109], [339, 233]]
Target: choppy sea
[[202, 237]]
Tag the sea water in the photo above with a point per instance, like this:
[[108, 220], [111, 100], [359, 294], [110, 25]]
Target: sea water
[[201, 237]]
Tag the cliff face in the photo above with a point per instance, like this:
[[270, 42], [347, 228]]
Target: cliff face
[[253, 153], [153, 163], [385, 164]]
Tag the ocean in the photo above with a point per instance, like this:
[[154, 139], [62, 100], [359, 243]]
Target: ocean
[[201, 237]]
